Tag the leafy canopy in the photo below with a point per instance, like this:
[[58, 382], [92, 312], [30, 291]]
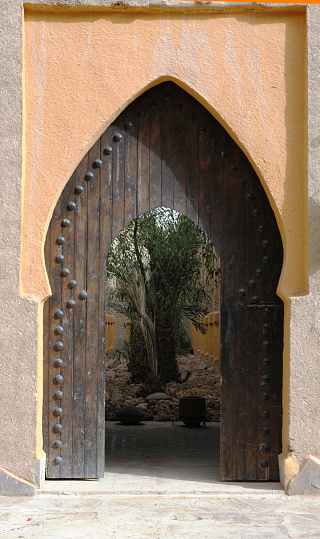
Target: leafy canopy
[[153, 275]]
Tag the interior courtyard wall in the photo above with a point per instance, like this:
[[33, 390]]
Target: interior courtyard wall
[[225, 59]]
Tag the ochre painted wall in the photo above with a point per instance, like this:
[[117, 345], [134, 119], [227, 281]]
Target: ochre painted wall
[[81, 69], [248, 69]]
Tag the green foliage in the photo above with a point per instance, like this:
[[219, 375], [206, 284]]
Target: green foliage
[[153, 277]]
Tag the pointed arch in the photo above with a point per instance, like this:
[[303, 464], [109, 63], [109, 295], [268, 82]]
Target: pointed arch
[[164, 149]]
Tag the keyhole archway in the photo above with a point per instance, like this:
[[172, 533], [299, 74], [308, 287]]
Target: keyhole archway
[[164, 149]]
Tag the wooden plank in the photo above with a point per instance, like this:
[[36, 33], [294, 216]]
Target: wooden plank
[[241, 365], [53, 470], [228, 333], [104, 243], [265, 404], [167, 144], [106, 185], [192, 159], [118, 197], [92, 337], [240, 401], [214, 172], [275, 368], [273, 318], [143, 181], [180, 142], [130, 164], [258, 291], [80, 320], [46, 352], [256, 208], [67, 294], [252, 468], [215, 148], [254, 327], [155, 153], [205, 172]]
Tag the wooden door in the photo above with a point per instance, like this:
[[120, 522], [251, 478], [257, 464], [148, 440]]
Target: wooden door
[[165, 149]]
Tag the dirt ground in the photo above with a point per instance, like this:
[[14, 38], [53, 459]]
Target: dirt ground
[[204, 381]]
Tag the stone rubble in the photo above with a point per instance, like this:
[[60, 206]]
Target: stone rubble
[[204, 381]]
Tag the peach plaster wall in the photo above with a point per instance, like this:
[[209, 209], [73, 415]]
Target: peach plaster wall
[[82, 68]]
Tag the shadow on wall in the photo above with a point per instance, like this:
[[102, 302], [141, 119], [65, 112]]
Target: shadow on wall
[[314, 220]]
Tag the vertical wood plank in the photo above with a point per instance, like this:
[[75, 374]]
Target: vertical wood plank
[[106, 200], [205, 172], [92, 337], [253, 471], [180, 143], [168, 147], [54, 471], [46, 351], [155, 153], [215, 172], [67, 294], [191, 157], [80, 320], [143, 181], [228, 324], [118, 196], [254, 316], [101, 313], [241, 364], [130, 164], [274, 369], [106, 186]]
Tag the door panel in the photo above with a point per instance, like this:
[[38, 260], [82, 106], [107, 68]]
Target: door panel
[[164, 149]]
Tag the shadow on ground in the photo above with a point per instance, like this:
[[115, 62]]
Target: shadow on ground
[[160, 449], [158, 458]]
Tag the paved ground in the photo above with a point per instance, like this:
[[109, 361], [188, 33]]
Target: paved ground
[[157, 517], [163, 458], [160, 482]]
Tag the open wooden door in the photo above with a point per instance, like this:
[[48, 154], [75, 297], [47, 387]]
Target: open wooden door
[[165, 149]]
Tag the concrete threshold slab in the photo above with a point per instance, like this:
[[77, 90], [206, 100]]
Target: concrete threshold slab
[[164, 460], [128, 485]]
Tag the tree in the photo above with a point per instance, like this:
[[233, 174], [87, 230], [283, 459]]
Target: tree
[[153, 277]]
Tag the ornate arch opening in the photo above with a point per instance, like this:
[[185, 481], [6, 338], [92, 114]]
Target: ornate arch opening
[[164, 149]]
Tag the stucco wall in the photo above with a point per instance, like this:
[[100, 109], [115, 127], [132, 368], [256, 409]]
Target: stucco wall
[[246, 68], [82, 68], [18, 316], [304, 421]]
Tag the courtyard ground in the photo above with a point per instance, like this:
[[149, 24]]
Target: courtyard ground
[[161, 481], [246, 516]]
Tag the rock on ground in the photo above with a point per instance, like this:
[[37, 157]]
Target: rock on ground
[[203, 382]]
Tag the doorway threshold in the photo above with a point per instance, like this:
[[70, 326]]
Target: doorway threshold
[[135, 485], [161, 459]]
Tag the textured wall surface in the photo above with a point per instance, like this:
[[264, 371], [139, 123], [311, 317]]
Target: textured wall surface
[[18, 316], [248, 69], [259, 98], [304, 399], [82, 69]]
